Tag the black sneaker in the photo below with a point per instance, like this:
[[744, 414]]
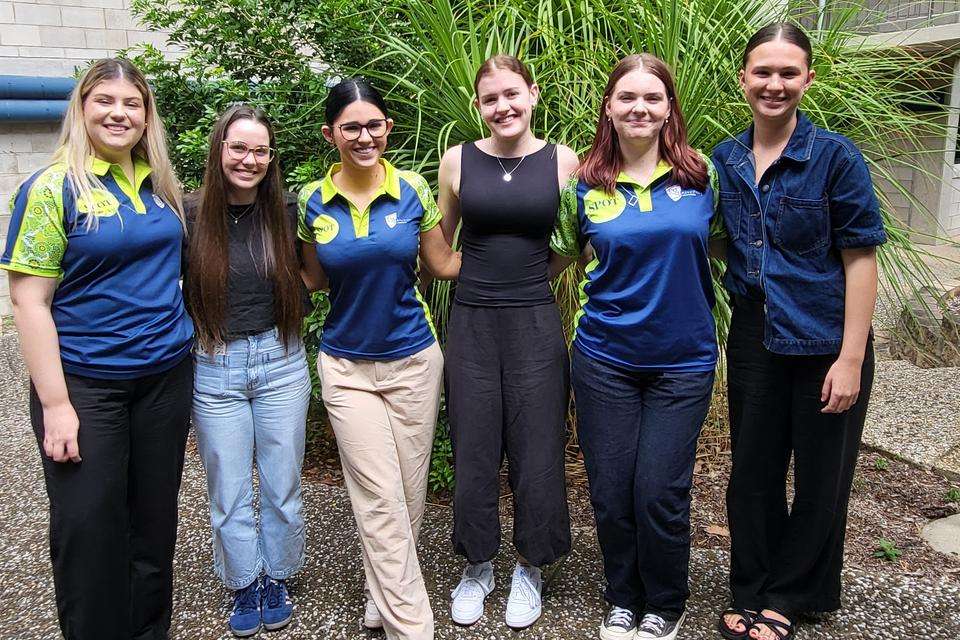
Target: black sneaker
[[654, 627], [620, 624]]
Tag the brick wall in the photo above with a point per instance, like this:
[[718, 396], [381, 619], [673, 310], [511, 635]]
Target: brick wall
[[52, 38]]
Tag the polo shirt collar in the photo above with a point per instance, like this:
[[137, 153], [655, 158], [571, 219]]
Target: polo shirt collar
[[663, 168], [390, 185], [141, 168]]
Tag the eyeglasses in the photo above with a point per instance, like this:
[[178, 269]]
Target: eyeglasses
[[352, 130], [238, 151]]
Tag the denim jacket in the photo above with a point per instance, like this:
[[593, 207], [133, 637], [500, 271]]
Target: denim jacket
[[785, 233]]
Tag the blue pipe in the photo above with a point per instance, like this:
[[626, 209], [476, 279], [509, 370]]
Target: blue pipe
[[34, 99], [32, 110], [35, 88]]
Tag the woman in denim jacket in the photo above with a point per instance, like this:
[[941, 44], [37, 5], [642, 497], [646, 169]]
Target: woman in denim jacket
[[251, 387], [803, 224]]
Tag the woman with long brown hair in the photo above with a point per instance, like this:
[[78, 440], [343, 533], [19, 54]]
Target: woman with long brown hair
[[645, 348], [252, 387], [94, 254]]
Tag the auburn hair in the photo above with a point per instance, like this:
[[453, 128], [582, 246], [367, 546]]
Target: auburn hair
[[604, 161], [209, 259]]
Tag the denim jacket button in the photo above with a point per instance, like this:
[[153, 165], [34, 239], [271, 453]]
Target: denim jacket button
[[758, 243], [765, 188]]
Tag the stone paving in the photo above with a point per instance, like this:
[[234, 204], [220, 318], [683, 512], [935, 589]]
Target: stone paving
[[327, 591]]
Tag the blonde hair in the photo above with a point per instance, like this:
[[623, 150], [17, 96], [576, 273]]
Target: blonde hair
[[74, 148]]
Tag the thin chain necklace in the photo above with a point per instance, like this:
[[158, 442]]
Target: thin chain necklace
[[508, 175], [236, 219]]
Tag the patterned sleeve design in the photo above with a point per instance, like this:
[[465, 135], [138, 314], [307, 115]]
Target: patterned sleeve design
[[303, 229], [717, 230], [37, 239], [566, 232], [431, 213]]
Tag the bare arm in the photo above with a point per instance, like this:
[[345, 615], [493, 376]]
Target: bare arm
[[449, 198], [442, 261], [31, 297], [557, 264], [841, 388], [567, 164], [312, 273]]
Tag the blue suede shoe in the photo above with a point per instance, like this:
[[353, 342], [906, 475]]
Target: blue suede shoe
[[277, 606], [245, 619]]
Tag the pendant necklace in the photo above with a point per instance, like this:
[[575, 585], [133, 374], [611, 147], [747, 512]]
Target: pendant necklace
[[236, 219], [508, 175]]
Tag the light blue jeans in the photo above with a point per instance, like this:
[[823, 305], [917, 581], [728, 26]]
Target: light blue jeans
[[250, 403]]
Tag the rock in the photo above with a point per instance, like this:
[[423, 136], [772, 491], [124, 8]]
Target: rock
[[928, 330], [943, 535]]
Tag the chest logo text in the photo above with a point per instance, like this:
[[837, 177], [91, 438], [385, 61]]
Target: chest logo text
[[325, 229], [600, 206]]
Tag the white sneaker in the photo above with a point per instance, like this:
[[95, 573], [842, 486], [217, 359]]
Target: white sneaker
[[653, 627], [620, 624], [524, 604], [475, 585], [371, 615]]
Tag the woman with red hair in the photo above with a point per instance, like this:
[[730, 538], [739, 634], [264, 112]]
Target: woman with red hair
[[645, 348]]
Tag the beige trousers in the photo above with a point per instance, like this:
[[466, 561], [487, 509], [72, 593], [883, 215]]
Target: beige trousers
[[384, 415]]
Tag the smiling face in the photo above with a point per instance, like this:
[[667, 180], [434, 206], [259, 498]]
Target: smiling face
[[774, 79], [241, 176], [506, 103], [365, 151], [114, 115], [638, 107]]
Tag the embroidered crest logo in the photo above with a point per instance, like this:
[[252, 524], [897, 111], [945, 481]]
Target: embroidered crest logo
[[675, 192], [391, 220]]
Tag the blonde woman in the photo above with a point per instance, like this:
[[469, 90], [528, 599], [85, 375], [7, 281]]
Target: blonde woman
[[93, 253]]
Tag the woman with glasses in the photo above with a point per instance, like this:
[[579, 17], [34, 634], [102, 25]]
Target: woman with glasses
[[251, 387], [363, 227]]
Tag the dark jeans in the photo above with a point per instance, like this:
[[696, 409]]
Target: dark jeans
[[638, 433], [787, 559], [113, 516], [507, 390]]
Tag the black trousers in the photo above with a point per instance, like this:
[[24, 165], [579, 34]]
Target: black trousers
[[113, 516], [507, 389], [787, 559]]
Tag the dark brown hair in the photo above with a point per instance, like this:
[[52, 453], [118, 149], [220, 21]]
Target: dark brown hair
[[502, 61], [602, 164], [785, 31], [206, 284]]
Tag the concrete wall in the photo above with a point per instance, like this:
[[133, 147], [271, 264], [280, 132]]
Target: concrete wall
[[53, 38]]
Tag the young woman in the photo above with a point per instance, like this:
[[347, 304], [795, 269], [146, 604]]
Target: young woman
[[93, 252], [252, 387], [645, 347], [506, 367], [362, 228], [802, 224]]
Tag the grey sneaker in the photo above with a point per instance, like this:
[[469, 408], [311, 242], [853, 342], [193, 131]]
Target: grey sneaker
[[653, 627], [620, 624]]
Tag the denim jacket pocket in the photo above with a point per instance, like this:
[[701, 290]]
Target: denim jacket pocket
[[802, 225], [730, 208]]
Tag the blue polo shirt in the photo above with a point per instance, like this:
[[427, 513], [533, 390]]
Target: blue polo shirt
[[647, 296], [118, 307], [786, 232], [370, 259]]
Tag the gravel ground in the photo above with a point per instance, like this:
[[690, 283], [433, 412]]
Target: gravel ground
[[877, 606]]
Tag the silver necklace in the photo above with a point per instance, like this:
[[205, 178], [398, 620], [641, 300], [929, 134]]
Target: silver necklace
[[508, 175], [236, 219]]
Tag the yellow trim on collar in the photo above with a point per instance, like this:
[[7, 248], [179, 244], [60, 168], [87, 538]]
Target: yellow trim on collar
[[644, 197], [361, 219], [141, 169]]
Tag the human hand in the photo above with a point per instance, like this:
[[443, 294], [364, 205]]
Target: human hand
[[841, 387], [60, 428]]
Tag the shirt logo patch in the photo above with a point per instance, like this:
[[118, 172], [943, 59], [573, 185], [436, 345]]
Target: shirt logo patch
[[600, 206], [675, 192], [159, 201], [104, 203], [325, 229], [391, 219]]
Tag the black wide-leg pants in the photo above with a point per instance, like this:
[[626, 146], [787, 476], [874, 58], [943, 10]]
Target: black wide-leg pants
[[507, 390], [787, 558], [113, 516]]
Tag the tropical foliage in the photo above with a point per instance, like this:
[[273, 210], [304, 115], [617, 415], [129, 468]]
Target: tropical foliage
[[282, 55]]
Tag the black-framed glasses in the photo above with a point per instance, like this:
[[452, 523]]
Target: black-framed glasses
[[377, 128], [238, 150]]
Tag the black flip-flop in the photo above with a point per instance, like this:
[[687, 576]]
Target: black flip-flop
[[730, 634], [783, 630]]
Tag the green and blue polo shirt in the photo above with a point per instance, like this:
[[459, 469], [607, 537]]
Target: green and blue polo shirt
[[370, 259], [118, 307], [647, 296]]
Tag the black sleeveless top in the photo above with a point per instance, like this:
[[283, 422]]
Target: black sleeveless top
[[506, 229]]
